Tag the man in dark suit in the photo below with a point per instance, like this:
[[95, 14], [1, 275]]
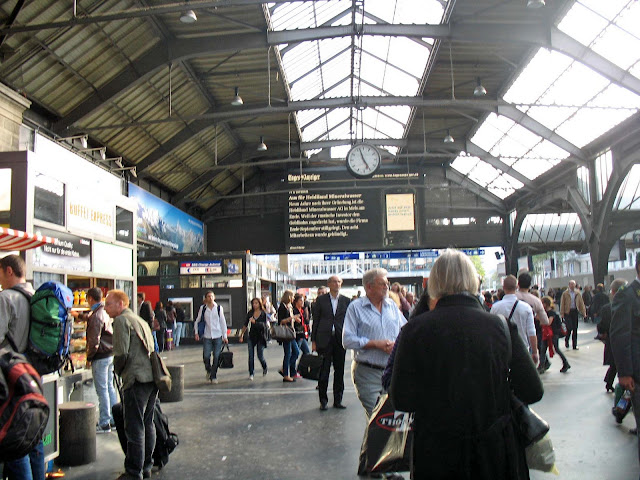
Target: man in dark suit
[[326, 339], [625, 339]]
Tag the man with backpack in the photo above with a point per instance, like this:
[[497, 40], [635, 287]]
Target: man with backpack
[[15, 312], [211, 325], [132, 342], [100, 353]]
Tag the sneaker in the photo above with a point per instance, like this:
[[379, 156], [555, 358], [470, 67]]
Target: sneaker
[[565, 368], [214, 381], [298, 376], [103, 429], [251, 377], [264, 372], [112, 424]]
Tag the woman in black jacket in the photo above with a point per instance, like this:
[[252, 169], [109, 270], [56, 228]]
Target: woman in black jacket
[[290, 347], [159, 332], [256, 323], [451, 368]]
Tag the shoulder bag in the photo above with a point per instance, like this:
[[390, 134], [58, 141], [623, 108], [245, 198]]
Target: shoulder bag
[[161, 375], [282, 333]]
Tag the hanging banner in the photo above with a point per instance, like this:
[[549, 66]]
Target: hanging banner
[[164, 225], [68, 252]]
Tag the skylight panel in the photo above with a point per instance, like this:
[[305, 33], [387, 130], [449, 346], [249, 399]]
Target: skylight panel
[[491, 131], [516, 142], [308, 87], [504, 185], [589, 123], [330, 46], [545, 67], [628, 197], [608, 9], [408, 55], [607, 46], [629, 18], [549, 151], [576, 86], [582, 24], [618, 97], [550, 116], [464, 164], [532, 167], [340, 152]]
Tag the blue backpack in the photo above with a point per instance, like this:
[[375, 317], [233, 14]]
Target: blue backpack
[[50, 326]]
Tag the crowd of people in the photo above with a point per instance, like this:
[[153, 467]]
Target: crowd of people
[[476, 350]]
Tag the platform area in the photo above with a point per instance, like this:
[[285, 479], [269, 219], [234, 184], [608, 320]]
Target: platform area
[[264, 429]]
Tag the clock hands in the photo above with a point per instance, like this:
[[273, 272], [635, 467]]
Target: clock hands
[[363, 160]]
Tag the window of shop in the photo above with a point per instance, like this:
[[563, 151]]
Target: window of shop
[[49, 200], [42, 277], [124, 225]]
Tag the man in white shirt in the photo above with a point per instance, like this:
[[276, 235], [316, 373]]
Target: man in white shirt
[[539, 315], [212, 326], [521, 314]]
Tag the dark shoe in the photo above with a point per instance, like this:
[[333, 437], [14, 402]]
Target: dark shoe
[[339, 406], [281, 373], [609, 388], [565, 368], [323, 406], [566, 346], [576, 348], [126, 476], [146, 474], [103, 428], [264, 372], [633, 431]]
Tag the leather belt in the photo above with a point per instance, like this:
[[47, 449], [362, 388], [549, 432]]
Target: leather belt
[[370, 365]]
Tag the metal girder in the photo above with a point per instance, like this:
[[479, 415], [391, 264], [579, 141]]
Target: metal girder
[[390, 142], [463, 181], [539, 129], [563, 43], [472, 149], [181, 49]]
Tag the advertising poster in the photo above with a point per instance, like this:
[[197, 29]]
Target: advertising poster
[[164, 225], [400, 212], [67, 253]]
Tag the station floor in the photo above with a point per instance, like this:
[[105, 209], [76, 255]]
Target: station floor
[[264, 429]]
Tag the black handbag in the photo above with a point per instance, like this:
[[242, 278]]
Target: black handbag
[[226, 358], [528, 425], [310, 366]]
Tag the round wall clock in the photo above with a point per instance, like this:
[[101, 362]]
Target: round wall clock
[[363, 160]]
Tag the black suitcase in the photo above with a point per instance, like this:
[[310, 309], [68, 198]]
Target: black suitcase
[[310, 366], [226, 358]]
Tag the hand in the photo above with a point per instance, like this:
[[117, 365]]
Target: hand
[[225, 340], [241, 339], [386, 346], [74, 313], [536, 358], [197, 338], [253, 320], [627, 383], [313, 346]]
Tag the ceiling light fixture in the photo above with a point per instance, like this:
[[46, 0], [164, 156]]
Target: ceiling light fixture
[[535, 3], [262, 147], [188, 17], [102, 151], [448, 138], [479, 91], [237, 100], [83, 139]]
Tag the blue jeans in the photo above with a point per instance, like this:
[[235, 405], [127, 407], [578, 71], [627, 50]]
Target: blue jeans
[[176, 334], [102, 371], [139, 402], [29, 467], [303, 345], [260, 348], [211, 345], [291, 353], [155, 341]]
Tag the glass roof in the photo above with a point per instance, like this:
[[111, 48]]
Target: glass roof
[[551, 227], [565, 95], [628, 197], [362, 66]]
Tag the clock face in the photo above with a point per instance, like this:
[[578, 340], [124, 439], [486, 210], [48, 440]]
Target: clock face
[[363, 160]]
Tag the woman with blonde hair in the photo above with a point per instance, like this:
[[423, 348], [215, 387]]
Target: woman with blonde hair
[[453, 369], [290, 347]]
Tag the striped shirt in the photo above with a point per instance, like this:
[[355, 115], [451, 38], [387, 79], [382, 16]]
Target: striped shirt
[[363, 322]]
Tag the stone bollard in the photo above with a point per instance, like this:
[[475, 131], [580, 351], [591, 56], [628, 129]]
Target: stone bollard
[[77, 433], [176, 394]]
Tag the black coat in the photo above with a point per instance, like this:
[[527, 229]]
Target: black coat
[[625, 330], [257, 332], [451, 368], [324, 320], [603, 328]]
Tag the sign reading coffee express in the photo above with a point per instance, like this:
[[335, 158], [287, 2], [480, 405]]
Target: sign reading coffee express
[[68, 252]]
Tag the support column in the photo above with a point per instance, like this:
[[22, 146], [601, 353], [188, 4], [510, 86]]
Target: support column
[[12, 106]]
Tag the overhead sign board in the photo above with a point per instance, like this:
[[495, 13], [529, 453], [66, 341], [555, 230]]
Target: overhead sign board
[[341, 256], [473, 252], [201, 268], [409, 254], [68, 252]]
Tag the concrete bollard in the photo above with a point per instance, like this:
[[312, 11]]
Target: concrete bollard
[[77, 433], [176, 394]]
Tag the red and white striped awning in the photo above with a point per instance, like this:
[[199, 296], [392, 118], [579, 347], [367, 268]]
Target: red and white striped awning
[[11, 240]]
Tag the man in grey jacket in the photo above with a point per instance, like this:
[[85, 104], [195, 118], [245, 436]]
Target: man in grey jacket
[[132, 344]]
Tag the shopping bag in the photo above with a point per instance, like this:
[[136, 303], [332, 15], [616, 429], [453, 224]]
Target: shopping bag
[[310, 365], [387, 440], [541, 456]]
